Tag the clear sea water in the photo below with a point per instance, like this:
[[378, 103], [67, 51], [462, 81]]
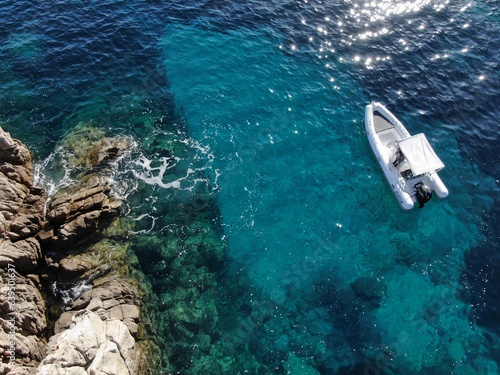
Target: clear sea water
[[249, 132]]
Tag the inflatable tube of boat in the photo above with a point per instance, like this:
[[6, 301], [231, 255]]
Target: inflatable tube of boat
[[376, 146], [437, 185], [406, 202]]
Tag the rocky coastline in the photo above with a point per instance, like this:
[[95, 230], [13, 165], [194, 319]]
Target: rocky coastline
[[73, 240]]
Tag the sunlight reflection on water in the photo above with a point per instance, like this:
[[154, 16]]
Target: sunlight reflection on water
[[331, 35]]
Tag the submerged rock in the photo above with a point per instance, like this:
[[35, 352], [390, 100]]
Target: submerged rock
[[369, 289], [89, 149], [296, 365]]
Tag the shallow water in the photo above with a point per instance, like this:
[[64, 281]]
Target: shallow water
[[251, 158]]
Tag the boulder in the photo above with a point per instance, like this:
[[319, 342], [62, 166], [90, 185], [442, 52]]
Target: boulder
[[109, 361], [91, 346], [22, 205], [29, 310], [18, 173], [111, 300], [72, 268], [13, 194], [23, 255], [78, 214], [24, 313], [4, 225], [88, 148], [22, 307], [30, 216], [13, 151], [64, 321]]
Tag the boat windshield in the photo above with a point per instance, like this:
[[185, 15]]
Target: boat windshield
[[420, 155]]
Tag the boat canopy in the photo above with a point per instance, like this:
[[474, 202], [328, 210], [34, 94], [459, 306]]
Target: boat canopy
[[420, 155]]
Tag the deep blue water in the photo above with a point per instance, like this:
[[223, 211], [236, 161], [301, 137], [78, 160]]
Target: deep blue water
[[249, 126]]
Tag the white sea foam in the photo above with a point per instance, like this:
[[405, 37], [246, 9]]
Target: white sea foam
[[164, 174], [53, 173], [70, 292], [155, 175], [142, 218]]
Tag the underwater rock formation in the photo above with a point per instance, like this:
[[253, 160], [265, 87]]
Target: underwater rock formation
[[369, 289], [88, 150], [187, 313], [64, 244]]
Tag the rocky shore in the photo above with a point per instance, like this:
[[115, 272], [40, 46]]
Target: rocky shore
[[70, 243]]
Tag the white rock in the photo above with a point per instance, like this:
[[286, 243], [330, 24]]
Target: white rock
[[56, 369], [118, 332], [87, 335], [108, 361], [91, 346]]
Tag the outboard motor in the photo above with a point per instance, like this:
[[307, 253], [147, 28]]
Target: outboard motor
[[423, 193]]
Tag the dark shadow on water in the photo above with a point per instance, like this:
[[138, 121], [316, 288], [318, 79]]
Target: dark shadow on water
[[80, 61], [482, 276], [350, 313]]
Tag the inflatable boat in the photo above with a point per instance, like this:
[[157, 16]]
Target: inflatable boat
[[409, 163]]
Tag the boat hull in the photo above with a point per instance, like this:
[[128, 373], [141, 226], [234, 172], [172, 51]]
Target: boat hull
[[384, 131]]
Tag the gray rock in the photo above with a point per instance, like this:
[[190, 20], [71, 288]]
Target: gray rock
[[109, 361]]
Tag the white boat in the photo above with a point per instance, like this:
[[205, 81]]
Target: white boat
[[409, 163]]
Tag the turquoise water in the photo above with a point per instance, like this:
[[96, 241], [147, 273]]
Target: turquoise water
[[304, 207], [270, 239]]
